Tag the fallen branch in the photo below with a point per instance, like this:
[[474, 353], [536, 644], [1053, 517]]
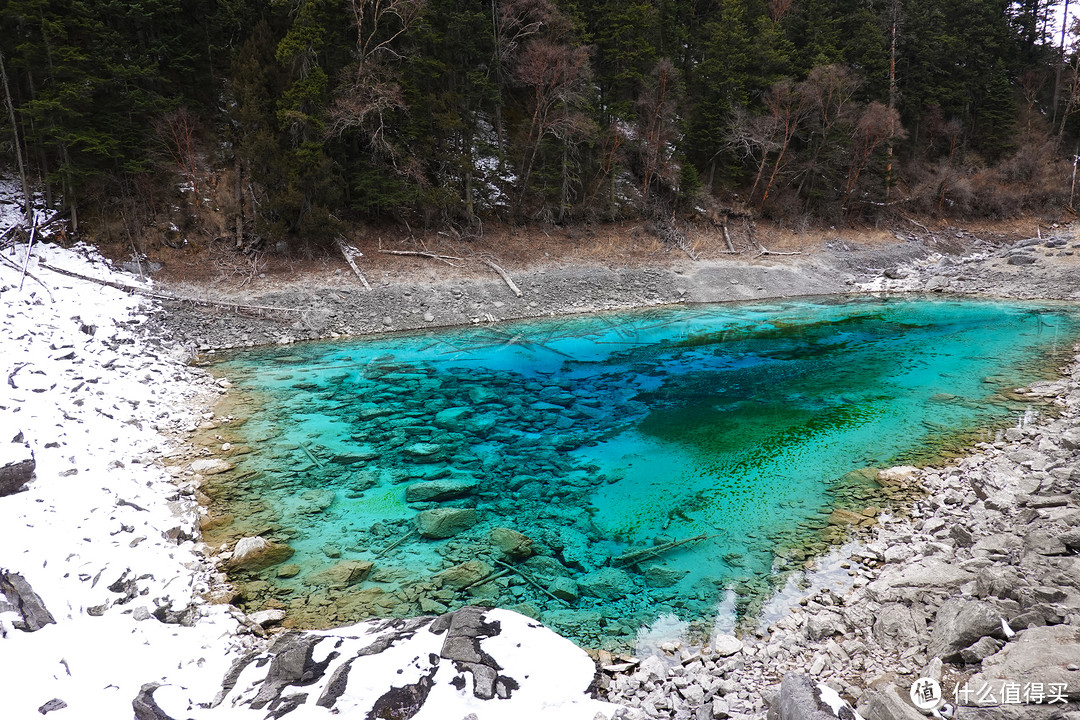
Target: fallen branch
[[486, 579], [394, 544], [918, 224], [442, 258], [164, 297], [639, 555], [509, 281], [29, 250], [30, 275], [528, 578], [318, 463], [348, 251], [765, 251], [727, 237]]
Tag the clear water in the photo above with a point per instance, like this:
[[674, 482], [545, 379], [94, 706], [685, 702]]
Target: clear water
[[602, 436]]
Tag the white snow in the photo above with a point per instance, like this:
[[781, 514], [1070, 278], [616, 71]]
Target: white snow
[[101, 407]]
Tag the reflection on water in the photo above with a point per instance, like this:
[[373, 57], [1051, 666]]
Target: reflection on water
[[622, 468]]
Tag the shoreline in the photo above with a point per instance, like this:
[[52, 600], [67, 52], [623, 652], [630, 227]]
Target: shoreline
[[664, 685]]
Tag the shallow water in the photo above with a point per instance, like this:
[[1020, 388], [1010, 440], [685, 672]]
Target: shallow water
[[604, 436]]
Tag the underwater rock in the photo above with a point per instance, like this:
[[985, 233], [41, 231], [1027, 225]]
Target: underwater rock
[[441, 523], [452, 418], [343, 574], [438, 490], [288, 570], [659, 576], [257, 553], [512, 543], [565, 588], [606, 583], [210, 466], [480, 395], [315, 501], [465, 574]]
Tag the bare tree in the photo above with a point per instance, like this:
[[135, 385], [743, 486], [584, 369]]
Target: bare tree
[[787, 106], [877, 124], [656, 119], [176, 130]]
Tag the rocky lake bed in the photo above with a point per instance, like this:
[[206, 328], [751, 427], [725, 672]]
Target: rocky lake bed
[[975, 583]]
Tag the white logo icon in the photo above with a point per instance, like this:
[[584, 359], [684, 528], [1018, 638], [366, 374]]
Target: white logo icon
[[926, 693]]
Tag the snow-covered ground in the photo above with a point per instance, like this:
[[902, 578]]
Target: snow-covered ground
[[106, 535]]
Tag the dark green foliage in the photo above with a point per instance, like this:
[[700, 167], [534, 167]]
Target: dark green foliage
[[438, 111]]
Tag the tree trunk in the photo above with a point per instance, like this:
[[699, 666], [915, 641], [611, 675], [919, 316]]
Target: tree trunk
[[18, 144]]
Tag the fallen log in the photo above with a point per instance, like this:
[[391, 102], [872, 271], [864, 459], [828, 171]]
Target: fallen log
[[639, 555], [505, 276], [349, 252], [434, 256], [528, 578]]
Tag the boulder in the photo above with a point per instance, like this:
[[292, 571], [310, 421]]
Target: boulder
[[210, 466], [257, 553], [979, 651], [16, 467], [660, 576], [888, 703], [439, 490], [262, 618], [898, 627], [441, 523], [24, 601], [606, 583], [512, 543], [803, 699], [726, 645], [465, 574], [343, 574], [961, 623], [1048, 654], [565, 588], [1021, 259], [825, 624], [451, 418]]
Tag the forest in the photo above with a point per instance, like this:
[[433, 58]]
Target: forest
[[266, 120]]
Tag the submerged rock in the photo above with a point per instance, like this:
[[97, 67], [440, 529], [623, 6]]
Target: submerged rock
[[512, 543], [606, 583], [438, 490], [441, 523], [465, 574], [343, 574], [210, 466]]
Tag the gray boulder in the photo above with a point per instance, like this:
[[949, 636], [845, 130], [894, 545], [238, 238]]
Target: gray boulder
[[441, 523], [803, 699], [960, 624], [16, 467], [888, 703], [24, 601], [1049, 654], [898, 626], [825, 624]]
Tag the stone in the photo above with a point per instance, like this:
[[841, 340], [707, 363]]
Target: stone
[[288, 570], [343, 574], [565, 588], [441, 523], [262, 618], [512, 543], [145, 707], [825, 624], [54, 704], [439, 490], [659, 576], [1046, 654], [726, 645], [452, 418], [606, 583], [210, 466], [999, 582], [257, 553], [480, 395], [897, 627], [961, 623], [888, 703], [1021, 259], [25, 602], [979, 651], [803, 699], [16, 467], [464, 574]]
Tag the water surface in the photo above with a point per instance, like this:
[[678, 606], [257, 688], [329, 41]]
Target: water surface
[[602, 437]]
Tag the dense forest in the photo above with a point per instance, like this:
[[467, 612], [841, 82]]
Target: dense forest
[[272, 119]]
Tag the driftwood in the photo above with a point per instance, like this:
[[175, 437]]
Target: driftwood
[[394, 544], [509, 282], [639, 555], [318, 463], [349, 252], [727, 237], [528, 578], [486, 579], [235, 307], [421, 253]]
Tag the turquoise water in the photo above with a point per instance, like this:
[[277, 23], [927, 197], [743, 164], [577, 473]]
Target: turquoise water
[[604, 436]]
